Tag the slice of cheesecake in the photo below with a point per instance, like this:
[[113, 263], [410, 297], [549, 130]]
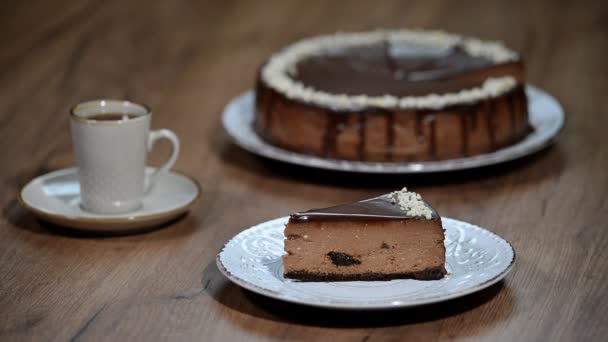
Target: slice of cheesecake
[[393, 236]]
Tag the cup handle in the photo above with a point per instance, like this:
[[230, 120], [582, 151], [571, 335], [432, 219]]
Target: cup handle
[[153, 137]]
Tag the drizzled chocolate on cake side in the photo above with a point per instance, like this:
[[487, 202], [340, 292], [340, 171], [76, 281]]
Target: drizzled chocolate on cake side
[[455, 125]]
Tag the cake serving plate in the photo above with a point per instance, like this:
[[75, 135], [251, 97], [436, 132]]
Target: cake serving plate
[[545, 113], [475, 259]]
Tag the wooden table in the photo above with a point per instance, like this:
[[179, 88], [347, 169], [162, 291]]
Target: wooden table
[[187, 59]]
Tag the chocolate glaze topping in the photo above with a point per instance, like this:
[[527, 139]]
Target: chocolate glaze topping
[[380, 69], [378, 208]]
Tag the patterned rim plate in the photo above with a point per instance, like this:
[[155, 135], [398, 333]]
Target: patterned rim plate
[[546, 115], [475, 259]]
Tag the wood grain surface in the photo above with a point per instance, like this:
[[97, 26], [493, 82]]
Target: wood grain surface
[[187, 59]]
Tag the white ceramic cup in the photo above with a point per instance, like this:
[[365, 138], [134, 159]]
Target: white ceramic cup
[[111, 154]]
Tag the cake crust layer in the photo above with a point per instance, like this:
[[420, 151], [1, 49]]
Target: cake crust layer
[[434, 273]]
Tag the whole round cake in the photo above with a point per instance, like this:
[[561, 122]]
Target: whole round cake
[[392, 96]]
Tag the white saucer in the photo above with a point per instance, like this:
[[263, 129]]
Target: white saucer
[[545, 113], [475, 259], [55, 197]]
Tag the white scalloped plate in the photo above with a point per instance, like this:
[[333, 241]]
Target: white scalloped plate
[[475, 259], [545, 113]]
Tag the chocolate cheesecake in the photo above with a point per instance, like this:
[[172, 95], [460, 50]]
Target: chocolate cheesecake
[[393, 236], [392, 96]]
